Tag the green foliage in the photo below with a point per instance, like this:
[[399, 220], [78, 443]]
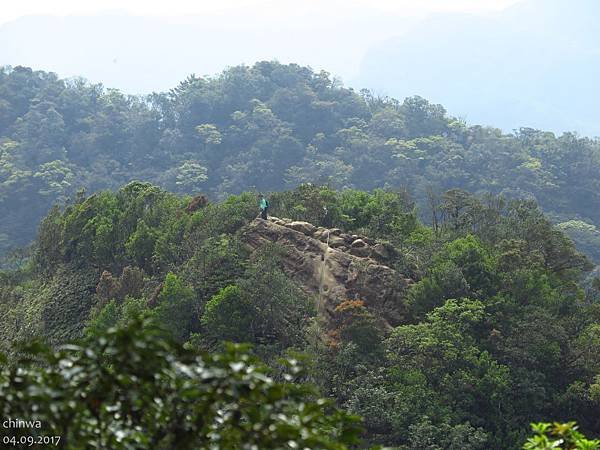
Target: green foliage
[[355, 325], [175, 309], [492, 331], [264, 308], [190, 176], [140, 245], [48, 253], [214, 264], [104, 319], [437, 378], [564, 436], [585, 235], [228, 315], [229, 216], [129, 388], [172, 311], [209, 134], [475, 263], [444, 280], [428, 436], [380, 213], [267, 127], [66, 304], [121, 313], [307, 202], [109, 230]]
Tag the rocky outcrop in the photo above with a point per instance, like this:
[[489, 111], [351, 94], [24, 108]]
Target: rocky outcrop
[[334, 266]]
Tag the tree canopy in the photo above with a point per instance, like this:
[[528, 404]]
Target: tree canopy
[[495, 330], [270, 127]]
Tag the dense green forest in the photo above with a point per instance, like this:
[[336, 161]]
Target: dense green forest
[[460, 303], [494, 330], [271, 127]]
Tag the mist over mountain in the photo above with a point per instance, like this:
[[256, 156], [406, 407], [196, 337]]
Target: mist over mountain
[[534, 64], [142, 54]]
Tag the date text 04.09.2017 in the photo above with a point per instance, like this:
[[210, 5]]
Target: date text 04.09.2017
[[30, 441]]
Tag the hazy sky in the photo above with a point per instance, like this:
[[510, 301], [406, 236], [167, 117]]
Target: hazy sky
[[325, 34], [450, 51], [12, 9]]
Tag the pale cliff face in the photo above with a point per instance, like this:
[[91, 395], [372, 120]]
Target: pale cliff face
[[334, 266]]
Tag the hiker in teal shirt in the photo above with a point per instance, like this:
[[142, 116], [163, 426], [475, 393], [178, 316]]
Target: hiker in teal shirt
[[264, 206]]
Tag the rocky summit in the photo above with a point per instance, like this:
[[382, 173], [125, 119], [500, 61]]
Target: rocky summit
[[335, 266]]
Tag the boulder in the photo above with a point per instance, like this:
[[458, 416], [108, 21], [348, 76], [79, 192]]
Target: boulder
[[363, 252], [380, 251], [276, 220], [359, 243], [320, 232], [337, 241], [346, 237], [303, 227], [326, 234], [335, 231]]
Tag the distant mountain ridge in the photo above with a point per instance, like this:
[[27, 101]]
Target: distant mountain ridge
[[269, 127], [535, 64]]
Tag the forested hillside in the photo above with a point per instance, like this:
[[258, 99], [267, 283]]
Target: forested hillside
[[492, 329], [270, 127]]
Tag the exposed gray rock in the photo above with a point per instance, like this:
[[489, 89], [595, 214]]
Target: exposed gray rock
[[363, 252], [303, 227], [325, 236], [359, 243], [276, 220], [347, 237], [382, 252], [337, 241], [334, 273]]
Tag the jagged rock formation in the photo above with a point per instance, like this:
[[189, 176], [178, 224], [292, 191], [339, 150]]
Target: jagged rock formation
[[335, 266]]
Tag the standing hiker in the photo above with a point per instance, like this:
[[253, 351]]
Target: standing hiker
[[264, 206]]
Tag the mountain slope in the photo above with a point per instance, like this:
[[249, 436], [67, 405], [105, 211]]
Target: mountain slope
[[476, 317], [267, 127]]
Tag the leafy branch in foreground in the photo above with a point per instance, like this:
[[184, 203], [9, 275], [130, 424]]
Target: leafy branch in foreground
[[129, 388], [560, 436]]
